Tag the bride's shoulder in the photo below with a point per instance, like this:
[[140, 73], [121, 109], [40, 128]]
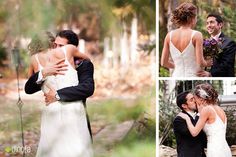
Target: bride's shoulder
[[219, 108], [167, 38], [206, 110], [197, 34], [35, 57]]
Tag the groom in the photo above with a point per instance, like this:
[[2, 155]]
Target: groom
[[223, 65], [187, 145], [85, 70]]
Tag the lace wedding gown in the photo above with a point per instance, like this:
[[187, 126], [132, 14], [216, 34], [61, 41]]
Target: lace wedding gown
[[216, 143], [64, 130], [185, 61]]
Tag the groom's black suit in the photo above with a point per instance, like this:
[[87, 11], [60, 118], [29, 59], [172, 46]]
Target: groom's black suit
[[223, 65], [187, 145], [84, 89]]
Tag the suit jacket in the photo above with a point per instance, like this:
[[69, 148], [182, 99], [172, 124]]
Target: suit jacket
[[187, 145], [84, 89], [223, 66]]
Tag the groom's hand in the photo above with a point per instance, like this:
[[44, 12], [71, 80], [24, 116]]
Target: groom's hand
[[54, 68], [209, 62], [203, 73], [50, 96]]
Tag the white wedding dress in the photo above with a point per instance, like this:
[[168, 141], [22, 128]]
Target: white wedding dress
[[64, 130], [216, 143], [185, 61]]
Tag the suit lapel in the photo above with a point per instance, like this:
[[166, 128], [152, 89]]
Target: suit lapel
[[223, 40], [192, 120]]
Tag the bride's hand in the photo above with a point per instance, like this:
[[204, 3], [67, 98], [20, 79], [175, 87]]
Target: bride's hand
[[184, 116], [57, 68], [199, 107]]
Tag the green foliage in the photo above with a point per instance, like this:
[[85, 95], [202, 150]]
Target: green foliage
[[167, 111], [24, 62], [144, 10], [3, 14], [231, 123], [162, 34], [139, 142], [3, 55], [32, 16], [163, 72], [116, 110], [10, 116], [137, 149]]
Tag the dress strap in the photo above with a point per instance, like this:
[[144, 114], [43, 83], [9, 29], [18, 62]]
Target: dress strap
[[217, 114], [64, 51], [37, 59], [212, 108], [66, 59], [170, 35], [193, 33]]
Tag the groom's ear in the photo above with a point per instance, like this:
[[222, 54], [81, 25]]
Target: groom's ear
[[184, 106], [221, 25]]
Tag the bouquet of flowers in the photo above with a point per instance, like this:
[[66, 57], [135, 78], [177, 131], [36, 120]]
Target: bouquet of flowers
[[212, 48]]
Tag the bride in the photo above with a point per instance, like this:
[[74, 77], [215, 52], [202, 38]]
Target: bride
[[184, 45], [64, 130], [212, 120]]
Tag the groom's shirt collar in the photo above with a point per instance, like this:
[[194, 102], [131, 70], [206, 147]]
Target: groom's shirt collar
[[192, 114], [216, 37]]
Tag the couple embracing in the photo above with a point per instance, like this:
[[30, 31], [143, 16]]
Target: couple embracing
[[65, 128], [207, 129], [184, 46]]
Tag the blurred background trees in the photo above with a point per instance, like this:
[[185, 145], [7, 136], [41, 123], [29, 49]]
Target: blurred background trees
[[93, 21], [223, 7]]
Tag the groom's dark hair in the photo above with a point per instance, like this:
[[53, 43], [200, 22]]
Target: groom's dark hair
[[219, 19], [70, 36], [181, 99]]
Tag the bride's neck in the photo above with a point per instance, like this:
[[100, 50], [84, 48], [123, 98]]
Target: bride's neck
[[43, 51], [185, 27]]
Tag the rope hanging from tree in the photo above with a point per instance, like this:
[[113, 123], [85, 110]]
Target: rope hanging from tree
[[16, 61]]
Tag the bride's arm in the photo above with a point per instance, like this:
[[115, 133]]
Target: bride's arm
[[195, 130], [198, 39], [76, 53], [165, 61]]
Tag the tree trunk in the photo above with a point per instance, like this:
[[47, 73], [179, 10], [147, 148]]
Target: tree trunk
[[172, 5], [162, 22], [195, 2]]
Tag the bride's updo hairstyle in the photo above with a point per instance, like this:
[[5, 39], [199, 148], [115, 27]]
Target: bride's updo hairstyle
[[41, 42], [206, 92], [184, 14]]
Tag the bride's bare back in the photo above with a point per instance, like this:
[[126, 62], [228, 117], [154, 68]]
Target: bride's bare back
[[181, 38], [54, 56]]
